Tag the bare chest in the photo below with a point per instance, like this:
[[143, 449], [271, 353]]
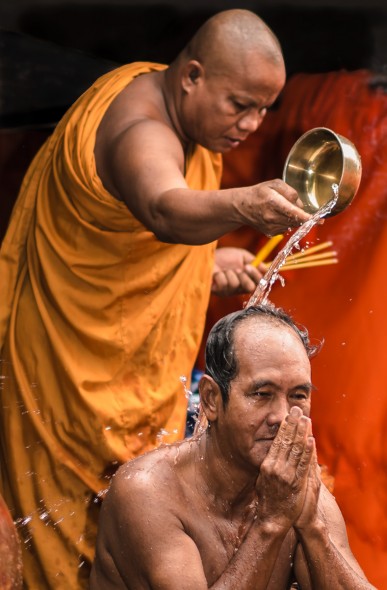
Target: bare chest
[[219, 539]]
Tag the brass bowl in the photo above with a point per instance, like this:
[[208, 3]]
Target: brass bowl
[[319, 159]]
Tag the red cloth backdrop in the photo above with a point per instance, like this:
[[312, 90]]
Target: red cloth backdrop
[[343, 304]]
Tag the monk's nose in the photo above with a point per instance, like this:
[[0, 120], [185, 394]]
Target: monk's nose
[[250, 121]]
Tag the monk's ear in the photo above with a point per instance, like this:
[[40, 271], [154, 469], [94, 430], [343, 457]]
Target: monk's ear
[[191, 75], [210, 397]]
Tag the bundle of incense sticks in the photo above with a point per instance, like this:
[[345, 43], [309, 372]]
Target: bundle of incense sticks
[[304, 259]]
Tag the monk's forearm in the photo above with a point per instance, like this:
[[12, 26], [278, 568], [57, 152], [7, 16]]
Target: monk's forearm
[[328, 566], [192, 217], [252, 564]]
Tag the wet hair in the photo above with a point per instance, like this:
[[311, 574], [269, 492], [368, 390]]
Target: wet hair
[[221, 360]]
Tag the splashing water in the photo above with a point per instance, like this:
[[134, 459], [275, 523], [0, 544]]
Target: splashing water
[[187, 392], [264, 286]]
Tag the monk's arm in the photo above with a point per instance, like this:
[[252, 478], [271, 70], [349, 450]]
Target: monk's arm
[[145, 165], [324, 559]]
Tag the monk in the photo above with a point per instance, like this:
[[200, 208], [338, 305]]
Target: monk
[[107, 268], [241, 505]]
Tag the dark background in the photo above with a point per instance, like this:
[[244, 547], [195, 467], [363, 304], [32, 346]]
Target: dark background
[[51, 51]]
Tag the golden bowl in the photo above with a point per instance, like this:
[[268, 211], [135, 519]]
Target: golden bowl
[[319, 159]]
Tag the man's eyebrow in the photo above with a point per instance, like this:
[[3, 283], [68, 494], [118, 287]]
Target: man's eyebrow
[[307, 386], [263, 383]]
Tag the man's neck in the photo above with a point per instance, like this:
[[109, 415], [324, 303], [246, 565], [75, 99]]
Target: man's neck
[[227, 486]]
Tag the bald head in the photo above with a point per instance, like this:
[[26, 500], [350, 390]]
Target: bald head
[[233, 37], [223, 82]]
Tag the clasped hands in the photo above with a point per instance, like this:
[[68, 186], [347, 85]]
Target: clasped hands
[[288, 484]]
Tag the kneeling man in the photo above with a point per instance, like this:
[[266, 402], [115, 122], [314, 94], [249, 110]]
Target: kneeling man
[[241, 505]]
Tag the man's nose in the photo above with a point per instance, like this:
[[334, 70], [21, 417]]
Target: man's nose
[[279, 409], [250, 121]]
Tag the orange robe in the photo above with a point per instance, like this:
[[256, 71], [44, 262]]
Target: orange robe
[[343, 304], [98, 321]]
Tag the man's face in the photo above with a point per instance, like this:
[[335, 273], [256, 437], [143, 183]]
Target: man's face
[[223, 110], [274, 375]]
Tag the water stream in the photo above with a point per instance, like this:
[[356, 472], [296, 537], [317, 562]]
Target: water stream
[[261, 293]]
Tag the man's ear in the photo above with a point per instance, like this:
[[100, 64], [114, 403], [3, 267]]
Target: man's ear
[[191, 75], [210, 397]]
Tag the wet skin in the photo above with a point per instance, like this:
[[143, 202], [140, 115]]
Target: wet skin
[[271, 380], [235, 506]]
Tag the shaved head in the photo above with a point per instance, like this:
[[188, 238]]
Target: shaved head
[[222, 83], [231, 38]]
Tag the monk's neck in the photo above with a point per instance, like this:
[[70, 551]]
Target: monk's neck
[[171, 92]]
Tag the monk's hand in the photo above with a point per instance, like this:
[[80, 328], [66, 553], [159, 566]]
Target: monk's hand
[[284, 474], [233, 272], [272, 207]]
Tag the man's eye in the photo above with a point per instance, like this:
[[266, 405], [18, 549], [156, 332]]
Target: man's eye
[[299, 396], [261, 393]]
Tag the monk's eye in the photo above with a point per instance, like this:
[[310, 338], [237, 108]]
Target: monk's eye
[[239, 106]]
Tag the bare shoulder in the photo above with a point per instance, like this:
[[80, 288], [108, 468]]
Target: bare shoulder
[[144, 505], [137, 149], [141, 103], [150, 474]]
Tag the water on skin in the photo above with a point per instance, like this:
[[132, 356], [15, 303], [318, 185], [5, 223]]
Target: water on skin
[[261, 293]]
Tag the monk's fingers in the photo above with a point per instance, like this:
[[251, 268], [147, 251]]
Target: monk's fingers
[[285, 190], [253, 273], [224, 283], [233, 278], [246, 283], [235, 282]]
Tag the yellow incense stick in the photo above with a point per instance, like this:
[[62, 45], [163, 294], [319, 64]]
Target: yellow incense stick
[[308, 251], [321, 256], [264, 252], [309, 264]]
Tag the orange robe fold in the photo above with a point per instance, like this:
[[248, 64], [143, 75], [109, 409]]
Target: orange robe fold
[[344, 304], [98, 321]]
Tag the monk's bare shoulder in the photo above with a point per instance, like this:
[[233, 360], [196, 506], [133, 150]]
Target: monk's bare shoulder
[[134, 137]]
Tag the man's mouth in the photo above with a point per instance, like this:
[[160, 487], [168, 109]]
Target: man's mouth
[[268, 439]]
